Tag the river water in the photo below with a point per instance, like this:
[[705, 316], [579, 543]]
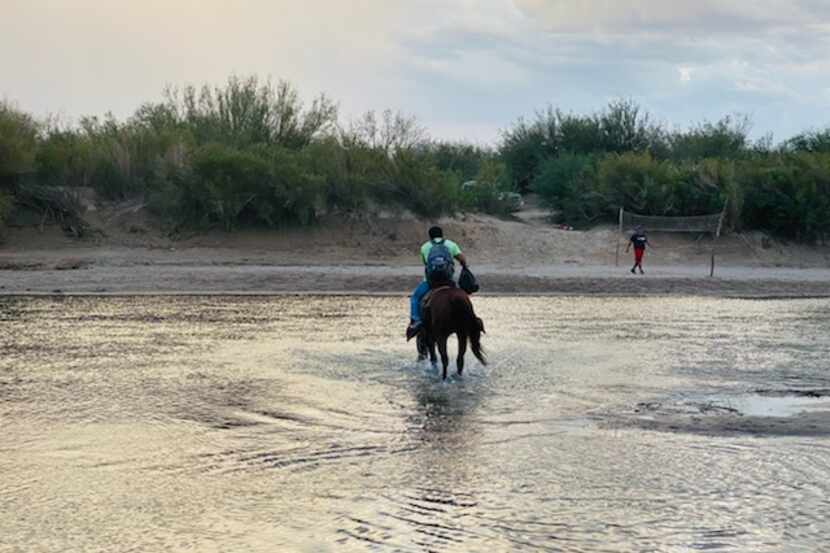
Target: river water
[[305, 424]]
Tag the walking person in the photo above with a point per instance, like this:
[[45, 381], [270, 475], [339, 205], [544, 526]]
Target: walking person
[[639, 240]]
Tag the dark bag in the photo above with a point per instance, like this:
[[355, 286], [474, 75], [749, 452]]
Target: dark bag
[[467, 281], [439, 266]]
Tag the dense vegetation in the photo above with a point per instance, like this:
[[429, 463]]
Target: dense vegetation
[[252, 153], [586, 167], [249, 153]]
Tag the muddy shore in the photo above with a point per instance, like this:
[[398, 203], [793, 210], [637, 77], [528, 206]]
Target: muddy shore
[[523, 255], [88, 277]]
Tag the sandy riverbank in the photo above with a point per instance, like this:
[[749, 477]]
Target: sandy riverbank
[[523, 255]]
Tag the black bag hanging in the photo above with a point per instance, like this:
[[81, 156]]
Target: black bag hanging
[[467, 281]]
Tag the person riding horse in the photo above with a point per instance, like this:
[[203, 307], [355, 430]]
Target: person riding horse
[[438, 255]]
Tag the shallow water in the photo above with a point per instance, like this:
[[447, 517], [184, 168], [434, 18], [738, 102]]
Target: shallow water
[[304, 424]]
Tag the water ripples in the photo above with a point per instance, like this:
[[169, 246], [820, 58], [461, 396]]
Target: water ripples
[[146, 424]]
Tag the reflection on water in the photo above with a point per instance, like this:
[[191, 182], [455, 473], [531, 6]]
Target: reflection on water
[[304, 424]]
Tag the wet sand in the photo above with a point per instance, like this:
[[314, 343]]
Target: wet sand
[[82, 276], [524, 255]]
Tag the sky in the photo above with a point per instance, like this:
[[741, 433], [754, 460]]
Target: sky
[[466, 69]]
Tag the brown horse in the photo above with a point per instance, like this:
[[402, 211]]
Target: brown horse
[[447, 311]]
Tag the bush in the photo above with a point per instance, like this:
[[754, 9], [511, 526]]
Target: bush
[[6, 204], [297, 191], [527, 145], [259, 186], [466, 160], [18, 140], [422, 187], [246, 112], [223, 183], [585, 189], [789, 195], [568, 185], [817, 142], [621, 127], [725, 139], [350, 175], [490, 191], [704, 187], [637, 182], [64, 158]]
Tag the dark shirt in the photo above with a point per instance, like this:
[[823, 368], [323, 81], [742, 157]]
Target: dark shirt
[[639, 241]]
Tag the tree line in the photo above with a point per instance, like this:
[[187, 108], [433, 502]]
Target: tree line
[[253, 153], [586, 167]]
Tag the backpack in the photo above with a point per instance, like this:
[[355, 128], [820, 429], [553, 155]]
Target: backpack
[[439, 265]]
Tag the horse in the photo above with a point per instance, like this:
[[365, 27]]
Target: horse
[[448, 310]]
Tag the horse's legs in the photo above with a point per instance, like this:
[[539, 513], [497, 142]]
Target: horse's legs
[[421, 345], [433, 358], [445, 359], [462, 349]]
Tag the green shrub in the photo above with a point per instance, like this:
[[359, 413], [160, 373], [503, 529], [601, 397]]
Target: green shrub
[[350, 175], [725, 139], [789, 195], [817, 142], [568, 185], [246, 112], [422, 187], [637, 182], [18, 140], [585, 189], [223, 183], [619, 128], [6, 204], [704, 187], [297, 191], [258, 186], [527, 145], [490, 191], [64, 158], [466, 160]]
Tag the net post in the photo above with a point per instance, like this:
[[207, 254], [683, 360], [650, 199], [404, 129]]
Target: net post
[[720, 221], [715, 238], [619, 234]]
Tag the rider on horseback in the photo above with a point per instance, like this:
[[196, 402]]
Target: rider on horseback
[[437, 254]]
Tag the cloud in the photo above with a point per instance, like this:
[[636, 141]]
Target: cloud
[[700, 16], [461, 66]]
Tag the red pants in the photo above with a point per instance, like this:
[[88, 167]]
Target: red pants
[[638, 255]]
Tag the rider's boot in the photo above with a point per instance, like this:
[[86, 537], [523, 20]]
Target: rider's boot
[[413, 329]]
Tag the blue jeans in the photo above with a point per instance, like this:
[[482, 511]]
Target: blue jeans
[[415, 300]]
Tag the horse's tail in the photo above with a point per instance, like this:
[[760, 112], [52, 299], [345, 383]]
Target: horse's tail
[[473, 327], [475, 341]]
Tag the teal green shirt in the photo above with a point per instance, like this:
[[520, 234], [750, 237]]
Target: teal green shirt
[[451, 246]]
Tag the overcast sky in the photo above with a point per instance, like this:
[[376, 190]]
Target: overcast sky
[[464, 68]]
